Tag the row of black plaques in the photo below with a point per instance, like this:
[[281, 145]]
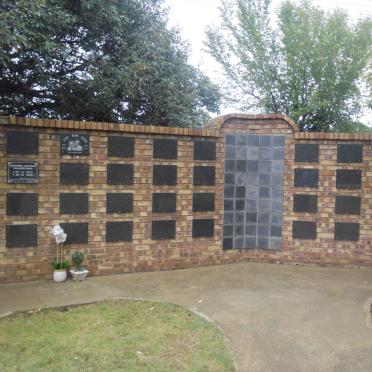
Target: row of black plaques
[[117, 231], [344, 231], [26, 204], [346, 153], [345, 178], [117, 174], [344, 205], [19, 142]]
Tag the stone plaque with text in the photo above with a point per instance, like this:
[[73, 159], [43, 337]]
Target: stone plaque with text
[[23, 172], [74, 144]]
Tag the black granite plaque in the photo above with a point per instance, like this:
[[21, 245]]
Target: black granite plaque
[[165, 148], [204, 150], [22, 204], [77, 232], [121, 147], [348, 178], [119, 202], [21, 236], [202, 228], [203, 202], [348, 205], [347, 231], [304, 230], [163, 230], [307, 153], [164, 202], [73, 203], [120, 174], [74, 174], [23, 172], [349, 153], [305, 203], [306, 177], [164, 175], [119, 231], [74, 144], [204, 176], [22, 143]]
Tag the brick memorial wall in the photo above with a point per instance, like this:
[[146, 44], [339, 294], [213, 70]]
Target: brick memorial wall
[[137, 198]]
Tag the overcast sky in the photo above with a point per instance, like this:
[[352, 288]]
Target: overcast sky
[[192, 16]]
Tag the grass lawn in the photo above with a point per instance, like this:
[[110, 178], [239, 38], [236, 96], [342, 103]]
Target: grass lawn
[[112, 336]]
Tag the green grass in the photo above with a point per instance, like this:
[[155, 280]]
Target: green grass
[[112, 336]]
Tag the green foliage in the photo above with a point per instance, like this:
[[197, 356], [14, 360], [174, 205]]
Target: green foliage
[[60, 265], [308, 66], [77, 258], [100, 60]]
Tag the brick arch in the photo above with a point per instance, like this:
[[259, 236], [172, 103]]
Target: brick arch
[[218, 122]]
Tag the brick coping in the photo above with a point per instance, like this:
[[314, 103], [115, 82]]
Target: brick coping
[[211, 129]]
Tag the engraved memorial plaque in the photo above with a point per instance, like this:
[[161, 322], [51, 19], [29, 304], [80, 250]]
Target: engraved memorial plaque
[[74, 144], [23, 172]]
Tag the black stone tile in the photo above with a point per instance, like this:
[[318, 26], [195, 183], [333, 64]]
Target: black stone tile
[[305, 203], [240, 165], [162, 230], [22, 142], [347, 231], [204, 176], [348, 205], [307, 153], [203, 202], [119, 231], [231, 139], [228, 204], [73, 203], [229, 166], [348, 178], [304, 230], [22, 204], [164, 202], [119, 202], [21, 236], [121, 147], [164, 175], [279, 141], [306, 177], [74, 144], [120, 174], [204, 150], [74, 173], [227, 243], [239, 204], [77, 232], [165, 148], [263, 242], [275, 230], [228, 230], [229, 178], [350, 153]]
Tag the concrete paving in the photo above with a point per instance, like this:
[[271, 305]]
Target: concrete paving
[[275, 317]]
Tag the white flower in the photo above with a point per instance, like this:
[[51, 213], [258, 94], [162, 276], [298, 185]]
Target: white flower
[[58, 234]]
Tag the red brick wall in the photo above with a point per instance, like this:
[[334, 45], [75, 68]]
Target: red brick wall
[[143, 253]]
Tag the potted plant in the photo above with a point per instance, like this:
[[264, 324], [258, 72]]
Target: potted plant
[[59, 264], [79, 273]]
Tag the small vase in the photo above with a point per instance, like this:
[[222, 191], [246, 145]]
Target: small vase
[[79, 275], [59, 275]]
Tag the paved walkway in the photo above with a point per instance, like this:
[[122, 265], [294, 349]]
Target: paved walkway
[[275, 317]]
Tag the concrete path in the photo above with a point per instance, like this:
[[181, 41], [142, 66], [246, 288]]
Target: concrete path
[[275, 317]]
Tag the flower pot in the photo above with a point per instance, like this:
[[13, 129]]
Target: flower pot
[[59, 275], [79, 275]]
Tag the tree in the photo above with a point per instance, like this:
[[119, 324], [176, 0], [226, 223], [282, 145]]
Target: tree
[[100, 60], [307, 66]]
